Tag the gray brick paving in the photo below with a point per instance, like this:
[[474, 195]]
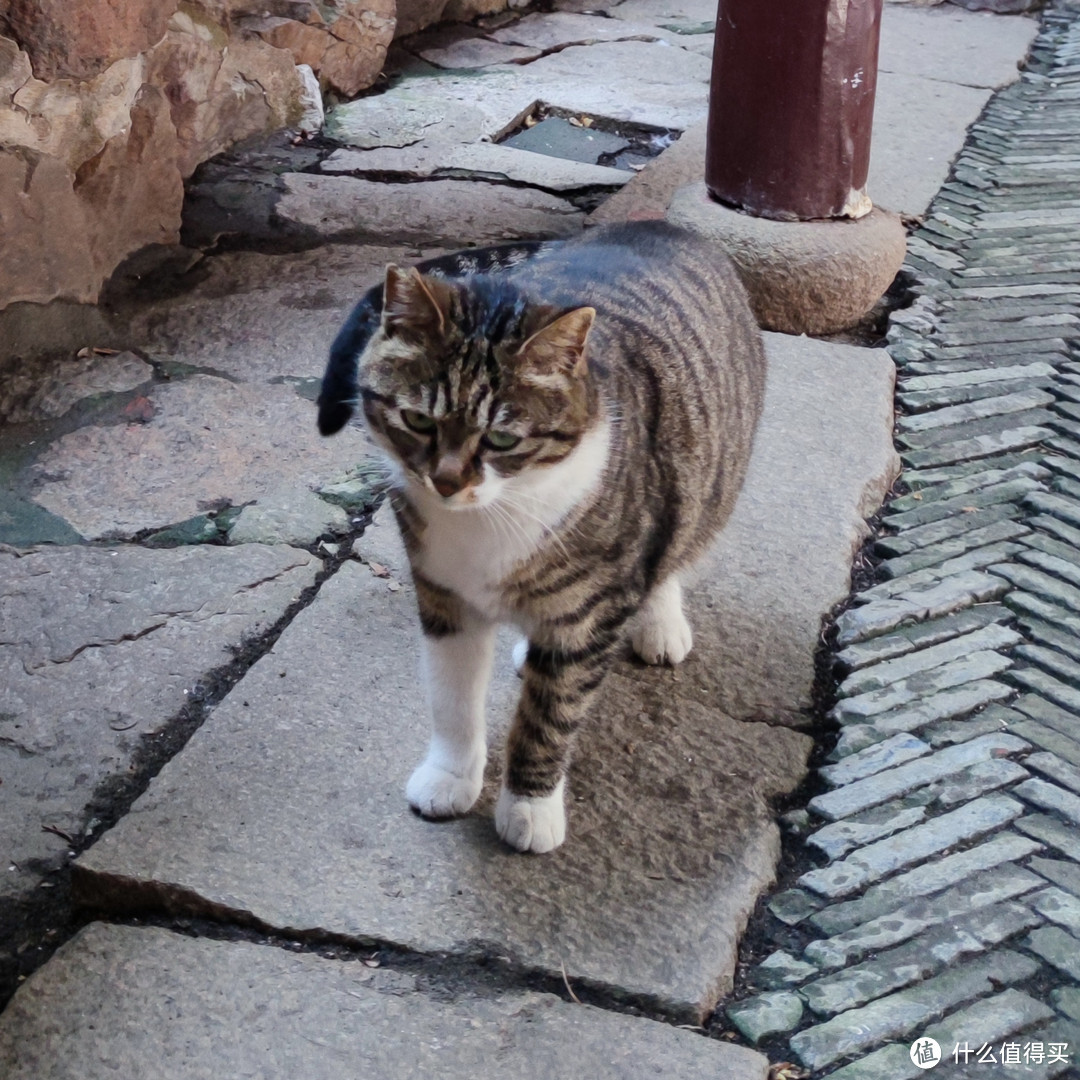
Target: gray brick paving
[[980, 890], [1057, 947], [887, 672], [1060, 871], [925, 880], [841, 837], [1059, 907], [1052, 766], [1051, 797], [942, 598], [909, 638], [884, 755], [1053, 832], [935, 657], [908, 1010], [1047, 738], [897, 781]]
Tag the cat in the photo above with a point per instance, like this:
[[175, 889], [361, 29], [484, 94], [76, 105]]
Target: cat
[[566, 429]]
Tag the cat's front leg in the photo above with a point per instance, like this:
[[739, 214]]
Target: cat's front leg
[[559, 684], [456, 660]]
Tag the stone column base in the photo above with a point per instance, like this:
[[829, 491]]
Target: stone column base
[[804, 277]]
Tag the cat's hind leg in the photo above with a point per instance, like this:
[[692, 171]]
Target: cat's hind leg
[[660, 632], [457, 659]]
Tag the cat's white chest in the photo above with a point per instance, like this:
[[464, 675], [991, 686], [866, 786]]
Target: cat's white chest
[[472, 553]]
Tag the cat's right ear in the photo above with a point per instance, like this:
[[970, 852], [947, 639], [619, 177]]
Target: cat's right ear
[[414, 306]]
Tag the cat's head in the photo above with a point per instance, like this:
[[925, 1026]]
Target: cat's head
[[470, 387]]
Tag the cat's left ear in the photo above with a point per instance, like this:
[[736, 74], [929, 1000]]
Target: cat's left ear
[[559, 348], [414, 305]]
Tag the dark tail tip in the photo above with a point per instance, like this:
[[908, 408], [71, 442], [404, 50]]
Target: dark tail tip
[[333, 416]]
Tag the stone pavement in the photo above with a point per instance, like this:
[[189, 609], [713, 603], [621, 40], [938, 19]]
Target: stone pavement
[[948, 903], [225, 590]]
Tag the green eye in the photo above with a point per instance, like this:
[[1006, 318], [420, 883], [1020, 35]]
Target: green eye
[[501, 440], [418, 421]]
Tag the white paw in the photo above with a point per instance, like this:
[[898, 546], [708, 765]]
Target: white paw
[[534, 823], [438, 793], [660, 638], [518, 654]]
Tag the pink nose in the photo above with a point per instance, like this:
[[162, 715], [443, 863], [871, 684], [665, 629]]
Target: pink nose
[[447, 486]]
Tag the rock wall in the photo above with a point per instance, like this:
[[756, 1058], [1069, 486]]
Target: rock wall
[[107, 106]]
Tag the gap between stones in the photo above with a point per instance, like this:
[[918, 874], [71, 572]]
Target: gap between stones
[[36, 928]]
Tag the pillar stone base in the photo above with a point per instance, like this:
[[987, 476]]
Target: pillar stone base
[[804, 277]]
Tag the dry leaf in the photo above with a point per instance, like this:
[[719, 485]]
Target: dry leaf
[[393, 586], [379, 570], [573, 121], [787, 1070], [531, 121], [586, 121], [968, 509], [917, 495]]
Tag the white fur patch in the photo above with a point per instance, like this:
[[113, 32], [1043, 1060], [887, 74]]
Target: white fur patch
[[518, 654], [660, 633], [457, 669], [472, 546], [534, 823]]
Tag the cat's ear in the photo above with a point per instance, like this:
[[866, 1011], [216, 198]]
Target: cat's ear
[[414, 305], [559, 348]]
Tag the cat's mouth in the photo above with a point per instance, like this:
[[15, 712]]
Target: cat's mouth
[[469, 497]]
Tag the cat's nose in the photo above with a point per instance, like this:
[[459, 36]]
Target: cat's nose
[[447, 485]]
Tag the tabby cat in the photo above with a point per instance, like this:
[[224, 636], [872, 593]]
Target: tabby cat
[[567, 427]]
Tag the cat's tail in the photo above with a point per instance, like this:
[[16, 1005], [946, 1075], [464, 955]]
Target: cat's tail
[[340, 388]]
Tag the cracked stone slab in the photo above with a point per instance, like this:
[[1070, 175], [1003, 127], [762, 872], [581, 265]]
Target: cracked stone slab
[[946, 44], [477, 53], [459, 109], [480, 161], [561, 28], [265, 318], [212, 442], [784, 559], [637, 81], [288, 803], [51, 388], [115, 998], [99, 647], [448, 212]]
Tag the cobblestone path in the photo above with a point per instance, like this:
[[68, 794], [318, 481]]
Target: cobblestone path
[[950, 905]]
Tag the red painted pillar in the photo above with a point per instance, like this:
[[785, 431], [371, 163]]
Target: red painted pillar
[[791, 106]]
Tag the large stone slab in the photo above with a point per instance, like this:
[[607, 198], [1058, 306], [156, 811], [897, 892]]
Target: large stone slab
[[823, 460], [210, 443], [644, 82], [448, 212], [261, 318], [950, 45], [919, 127], [288, 804], [98, 648], [477, 161], [937, 68], [117, 999]]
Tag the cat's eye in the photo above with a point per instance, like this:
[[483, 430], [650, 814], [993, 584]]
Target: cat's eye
[[501, 440], [418, 421]]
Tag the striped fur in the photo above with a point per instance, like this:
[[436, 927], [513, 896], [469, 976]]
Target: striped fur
[[635, 429]]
